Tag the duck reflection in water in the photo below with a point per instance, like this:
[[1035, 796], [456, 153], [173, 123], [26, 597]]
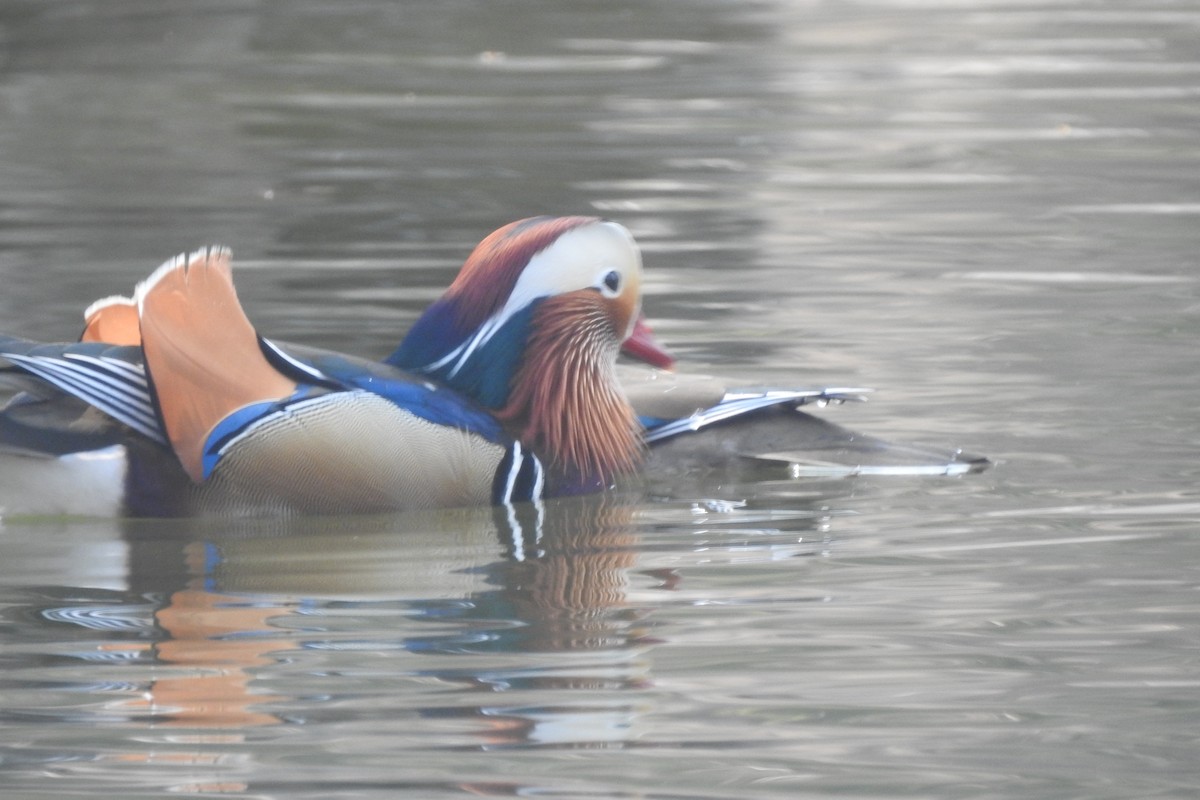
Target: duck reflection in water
[[550, 581]]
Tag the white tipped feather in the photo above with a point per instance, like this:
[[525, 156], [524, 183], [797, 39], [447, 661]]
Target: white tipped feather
[[737, 403], [105, 302], [116, 387], [171, 264]]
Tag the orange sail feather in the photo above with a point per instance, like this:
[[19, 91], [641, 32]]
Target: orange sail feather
[[201, 352]]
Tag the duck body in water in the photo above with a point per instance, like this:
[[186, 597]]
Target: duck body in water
[[505, 390]]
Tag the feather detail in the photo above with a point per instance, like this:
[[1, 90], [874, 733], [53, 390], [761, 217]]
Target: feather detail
[[113, 320], [491, 271], [565, 400], [202, 354]]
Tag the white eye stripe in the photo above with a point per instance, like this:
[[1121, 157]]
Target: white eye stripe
[[566, 265]]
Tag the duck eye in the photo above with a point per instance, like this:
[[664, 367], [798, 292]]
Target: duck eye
[[612, 283]]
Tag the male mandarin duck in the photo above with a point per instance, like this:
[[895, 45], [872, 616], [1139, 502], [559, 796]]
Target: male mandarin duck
[[505, 390]]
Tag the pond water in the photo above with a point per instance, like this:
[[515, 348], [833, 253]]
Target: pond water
[[988, 211]]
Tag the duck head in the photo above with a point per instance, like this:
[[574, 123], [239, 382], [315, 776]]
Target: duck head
[[531, 328]]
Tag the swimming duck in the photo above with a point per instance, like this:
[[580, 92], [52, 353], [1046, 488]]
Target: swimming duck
[[504, 390]]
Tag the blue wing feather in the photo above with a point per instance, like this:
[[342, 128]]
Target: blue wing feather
[[113, 379], [422, 396], [430, 339], [480, 366]]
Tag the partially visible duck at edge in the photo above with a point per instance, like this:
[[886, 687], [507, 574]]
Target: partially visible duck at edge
[[505, 390]]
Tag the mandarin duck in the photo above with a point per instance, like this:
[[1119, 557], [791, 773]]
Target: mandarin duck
[[505, 390]]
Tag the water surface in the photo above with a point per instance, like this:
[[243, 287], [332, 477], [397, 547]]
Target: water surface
[[987, 211]]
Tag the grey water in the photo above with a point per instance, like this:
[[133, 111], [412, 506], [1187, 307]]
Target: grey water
[[987, 211]]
